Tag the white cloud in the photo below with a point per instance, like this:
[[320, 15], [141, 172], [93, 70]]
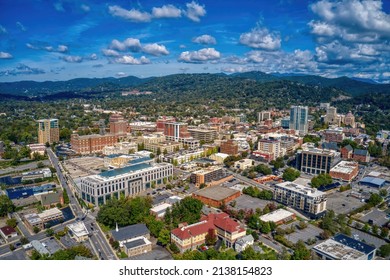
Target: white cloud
[[3, 30], [201, 56], [22, 69], [92, 56], [351, 20], [205, 40], [166, 11], [58, 7], [261, 38], [155, 49], [129, 44], [72, 58], [121, 74], [238, 69], [21, 26], [109, 52], [132, 15], [128, 59], [5, 55], [48, 48], [85, 8], [195, 11]]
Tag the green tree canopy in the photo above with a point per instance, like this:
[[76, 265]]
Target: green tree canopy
[[290, 174]]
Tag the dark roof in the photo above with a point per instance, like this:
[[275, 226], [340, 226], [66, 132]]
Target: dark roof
[[377, 182], [160, 198], [349, 148], [7, 230], [130, 232], [330, 146], [360, 152], [135, 243], [329, 187], [353, 243]]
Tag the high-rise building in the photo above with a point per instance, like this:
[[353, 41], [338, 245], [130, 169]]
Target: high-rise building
[[308, 200], [118, 125], [160, 124], [350, 120], [175, 130], [331, 116], [271, 146], [48, 131], [316, 161], [94, 143], [229, 147], [263, 116], [206, 135], [299, 118]]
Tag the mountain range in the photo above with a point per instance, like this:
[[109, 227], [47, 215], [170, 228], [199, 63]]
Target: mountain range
[[53, 89]]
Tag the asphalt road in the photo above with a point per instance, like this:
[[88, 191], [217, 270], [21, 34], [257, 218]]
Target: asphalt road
[[97, 238]]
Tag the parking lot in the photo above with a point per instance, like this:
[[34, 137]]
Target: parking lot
[[309, 232], [248, 202], [367, 238], [376, 216], [342, 203], [83, 166]]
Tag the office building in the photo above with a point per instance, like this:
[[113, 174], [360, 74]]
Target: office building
[[205, 135], [308, 200], [39, 220], [334, 135], [78, 231], [204, 176], [48, 131], [343, 247], [127, 181], [331, 116], [183, 156], [263, 116], [118, 125], [176, 130], [315, 161], [271, 146], [94, 143], [299, 119], [229, 147], [120, 148], [160, 123], [345, 170]]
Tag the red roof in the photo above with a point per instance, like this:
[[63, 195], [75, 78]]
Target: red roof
[[222, 221], [193, 230], [211, 221], [7, 230]]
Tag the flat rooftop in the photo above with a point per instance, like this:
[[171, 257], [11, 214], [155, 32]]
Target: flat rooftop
[[277, 215], [345, 167], [311, 192], [216, 193], [338, 251]]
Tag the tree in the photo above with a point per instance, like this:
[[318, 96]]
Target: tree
[[375, 199], [384, 250], [301, 252], [290, 174], [40, 164], [12, 222], [164, 237], [158, 151], [49, 232], [322, 179], [6, 205], [152, 155], [211, 237], [383, 192], [173, 247], [302, 225], [265, 228], [384, 232], [36, 229], [11, 246], [24, 240]]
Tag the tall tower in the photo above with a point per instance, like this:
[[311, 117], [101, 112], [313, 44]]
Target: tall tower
[[118, 125], [48, 131], [299, 119]]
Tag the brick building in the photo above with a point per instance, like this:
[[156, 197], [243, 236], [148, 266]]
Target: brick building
[[345, 170], [160, 124], [346, 152], [93, 143], [118, 125], [216, 196], [229, 147], [361, 155]]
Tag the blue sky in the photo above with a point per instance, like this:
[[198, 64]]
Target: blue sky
[[64, 39]]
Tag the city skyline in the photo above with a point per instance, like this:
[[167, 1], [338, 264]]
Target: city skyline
[[68, 39]]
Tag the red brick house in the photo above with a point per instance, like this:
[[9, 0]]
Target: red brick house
[[346, 152]]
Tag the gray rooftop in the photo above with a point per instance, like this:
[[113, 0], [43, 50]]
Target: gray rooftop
[[135, 243], [130, 232], [216, 193]]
